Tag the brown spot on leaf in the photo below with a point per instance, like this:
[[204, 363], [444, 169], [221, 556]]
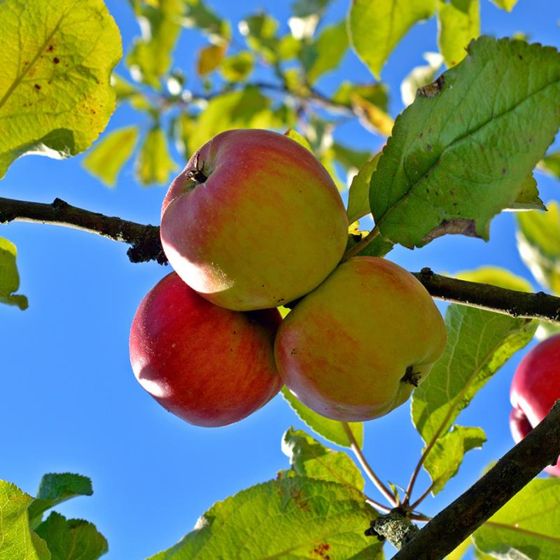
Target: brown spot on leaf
[[321, 550], [37, 87], [56, 60], [457, 225], [431, 90], [50, 48]]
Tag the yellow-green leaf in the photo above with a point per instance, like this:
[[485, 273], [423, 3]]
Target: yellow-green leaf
[[377, 27], [9, 277], [154, 162], [237, 67], [496, 276], [210, 58], [506, 5], [459, 24], [358, 197], [106, 159], [56, 58]]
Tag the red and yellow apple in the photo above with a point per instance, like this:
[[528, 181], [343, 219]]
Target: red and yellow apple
[[253, 221], [208, 365], [355, 347], [534, 389]]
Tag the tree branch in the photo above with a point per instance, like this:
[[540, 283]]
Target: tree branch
[[145, 246], [467, 513], [143, 239]]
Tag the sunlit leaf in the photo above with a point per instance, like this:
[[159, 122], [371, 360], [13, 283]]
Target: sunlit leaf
[[538, 242], [198, 15], [358, 197], [9, 276], [294, 517], [326, 52], [527, 527], [131, 94], [210, 58], [446, 456], [237, 67], [377, 27], [330, 429], [446, 170], [106, 159], [459, 24], [479, 343], [528, 197], [507, 5], [154, 163], [151, 55], [309, 458], [247, 108], [17, 539], [260, 32], [56, 58], [551, 164]]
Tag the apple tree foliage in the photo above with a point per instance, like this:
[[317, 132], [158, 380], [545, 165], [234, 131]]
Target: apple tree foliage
[[463, 151]]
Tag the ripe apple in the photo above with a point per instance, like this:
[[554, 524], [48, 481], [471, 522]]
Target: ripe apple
[[534, 389], [253, 221], [355, 347], [208, 365]]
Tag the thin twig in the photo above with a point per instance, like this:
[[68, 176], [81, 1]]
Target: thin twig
[[354, 446]]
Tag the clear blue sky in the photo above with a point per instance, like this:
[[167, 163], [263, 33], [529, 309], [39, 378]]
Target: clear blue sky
[[69, 401]]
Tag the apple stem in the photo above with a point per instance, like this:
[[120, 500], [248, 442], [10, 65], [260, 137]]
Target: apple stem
[[361, 245], [354, 446]]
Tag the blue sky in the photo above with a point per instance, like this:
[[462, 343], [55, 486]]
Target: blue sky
[[69, 400]]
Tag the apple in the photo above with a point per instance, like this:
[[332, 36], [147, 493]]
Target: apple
[[253, 221], [355, 347], [208, 365], [534, 389]]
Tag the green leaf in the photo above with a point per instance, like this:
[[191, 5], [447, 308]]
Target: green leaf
[[17, 540], [445, 458], [309, 458], [57, 58], [9, 276], [72, 539], [376, 27], [496, 276], [299, 138], [326, 52], [551, 164], [460, 551], [528, 526], [199, 16], [459, 24], [420, 76], [260, 33], [446, 170], [106, 159], [151, 55], [376, 94], [479, 343], [507, 5], [56, 488], [127, 92], [352, 160], [358, 196], [291, 518], [247, 108], [154, 163], [528, 197], [538, 242], [329, 429], [237, 67]]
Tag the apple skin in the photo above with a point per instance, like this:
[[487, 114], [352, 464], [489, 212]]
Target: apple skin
[[208, 365], [534, 389], [355, 347], [253, 221]]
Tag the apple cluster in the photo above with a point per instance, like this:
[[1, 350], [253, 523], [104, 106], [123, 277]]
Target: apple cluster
[[254, 222], [534, 390]]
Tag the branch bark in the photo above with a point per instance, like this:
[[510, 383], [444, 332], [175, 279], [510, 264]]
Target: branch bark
[[467, 513], [145, 245], [143, 239]]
